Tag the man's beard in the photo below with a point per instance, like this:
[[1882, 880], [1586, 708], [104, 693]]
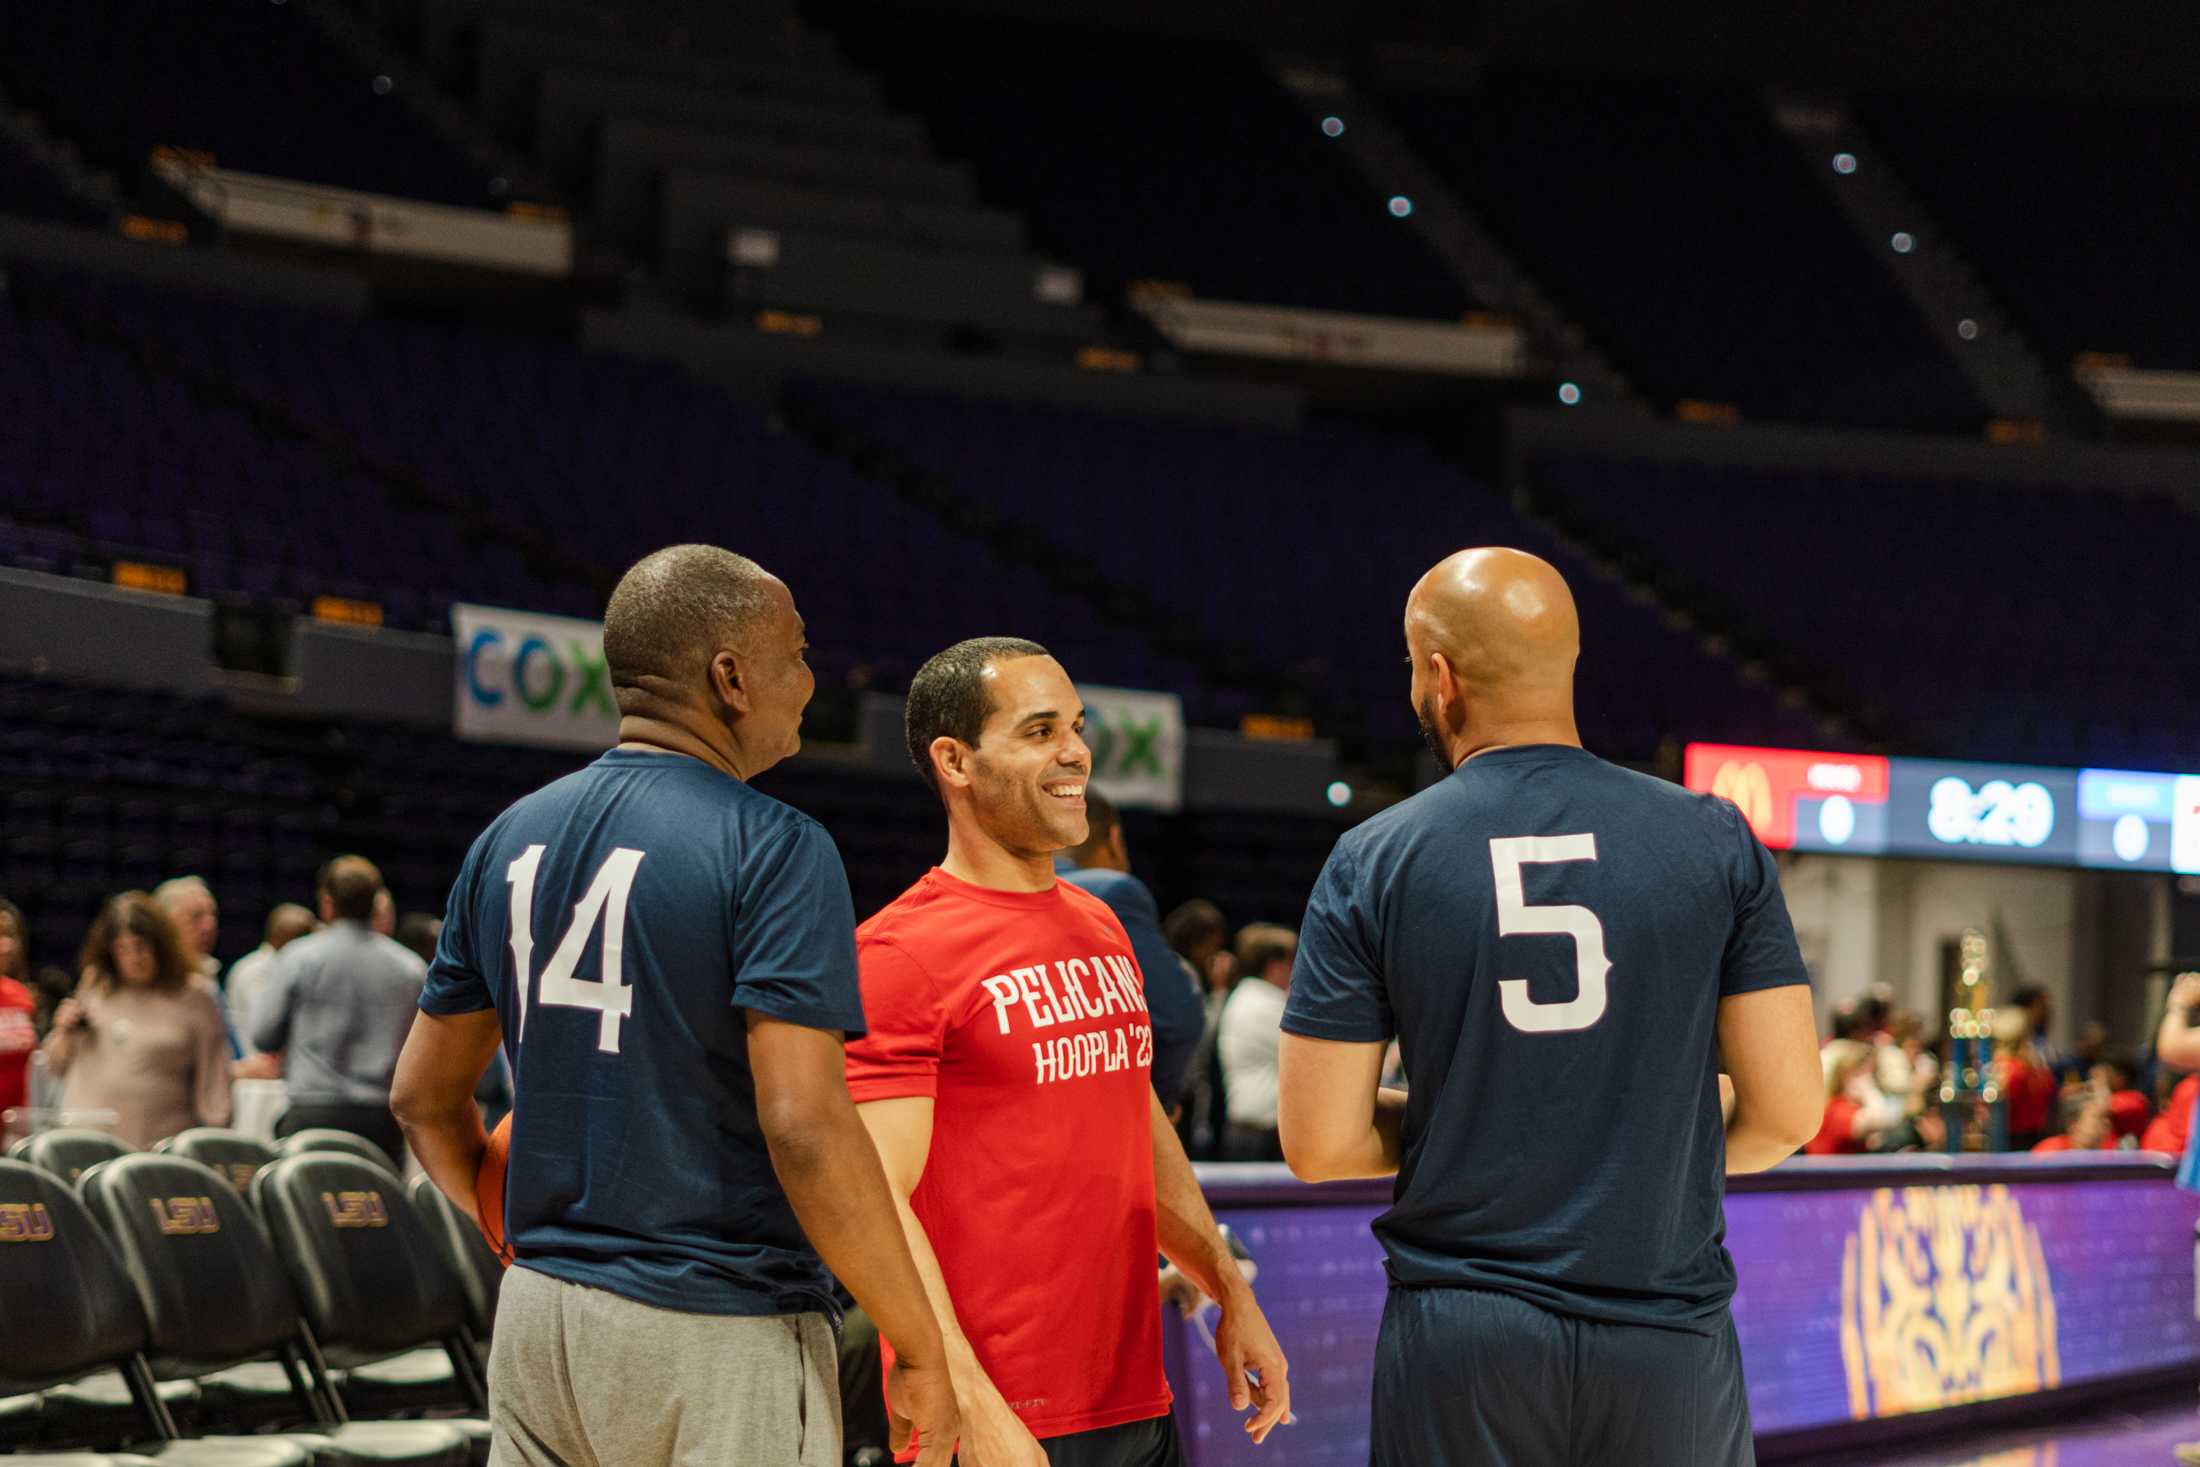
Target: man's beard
[[1425, 715]]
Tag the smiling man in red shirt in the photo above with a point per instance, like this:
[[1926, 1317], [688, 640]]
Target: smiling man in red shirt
[[1004, 1079]]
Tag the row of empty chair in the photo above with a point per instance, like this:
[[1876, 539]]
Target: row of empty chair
[[1290, 556], [218, 1302]]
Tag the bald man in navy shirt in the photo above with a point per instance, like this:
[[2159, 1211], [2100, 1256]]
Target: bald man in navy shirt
[[1602, 1011]]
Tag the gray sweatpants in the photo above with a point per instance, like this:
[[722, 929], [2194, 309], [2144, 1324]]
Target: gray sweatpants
[[580, 1377]]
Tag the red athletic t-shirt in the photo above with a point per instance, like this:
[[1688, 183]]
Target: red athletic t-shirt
[[1023, 1016]]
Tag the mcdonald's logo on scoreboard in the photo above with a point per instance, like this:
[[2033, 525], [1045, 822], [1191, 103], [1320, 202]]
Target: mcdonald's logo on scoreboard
[[1797, 798]]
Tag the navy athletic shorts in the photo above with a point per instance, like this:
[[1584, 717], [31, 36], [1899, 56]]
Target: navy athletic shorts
[[1470, 1378]]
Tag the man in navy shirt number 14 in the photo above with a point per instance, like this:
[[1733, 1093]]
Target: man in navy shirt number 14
[[1602, 1011], [668, 957]]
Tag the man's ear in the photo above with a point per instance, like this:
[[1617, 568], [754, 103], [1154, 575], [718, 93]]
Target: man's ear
[[950, 761], [726, 686], [1444, 686]]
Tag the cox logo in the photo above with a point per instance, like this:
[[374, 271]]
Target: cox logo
[[537, 674]]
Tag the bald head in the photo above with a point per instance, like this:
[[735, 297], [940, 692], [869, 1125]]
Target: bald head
[[287, 922], [1494, 638], [674, 608]]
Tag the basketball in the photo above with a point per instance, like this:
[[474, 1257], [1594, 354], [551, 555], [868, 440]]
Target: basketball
[[489, 1189]]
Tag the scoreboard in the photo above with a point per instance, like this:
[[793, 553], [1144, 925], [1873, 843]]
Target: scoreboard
[[1866, 805]]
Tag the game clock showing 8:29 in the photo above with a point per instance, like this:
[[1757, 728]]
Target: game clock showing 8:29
[[1997, 813]]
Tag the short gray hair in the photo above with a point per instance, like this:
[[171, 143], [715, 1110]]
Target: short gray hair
[[672, 604], [165, 894]]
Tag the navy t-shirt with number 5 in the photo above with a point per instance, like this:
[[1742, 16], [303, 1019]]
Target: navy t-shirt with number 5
[[622, 921], [1548, 936]]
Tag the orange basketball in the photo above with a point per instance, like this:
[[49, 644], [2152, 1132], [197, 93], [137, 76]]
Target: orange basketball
[[489, 1189]]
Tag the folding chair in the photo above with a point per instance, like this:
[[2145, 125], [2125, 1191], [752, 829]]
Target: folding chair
[[69, 1152], [68, 1311], [215, 1297], [234, 1155]]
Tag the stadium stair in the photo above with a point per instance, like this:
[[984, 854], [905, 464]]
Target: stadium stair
[[1952, 303], [1454, 232]]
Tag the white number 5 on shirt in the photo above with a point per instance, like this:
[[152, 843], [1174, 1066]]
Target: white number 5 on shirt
[[1515, 918]]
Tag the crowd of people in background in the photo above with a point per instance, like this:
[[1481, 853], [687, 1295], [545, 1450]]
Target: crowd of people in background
[[147, 1037], [1885, 1077]]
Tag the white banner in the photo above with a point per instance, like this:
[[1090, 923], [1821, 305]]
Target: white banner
[[1137, 741], [528, 679], [345, 219], [1228, 328]]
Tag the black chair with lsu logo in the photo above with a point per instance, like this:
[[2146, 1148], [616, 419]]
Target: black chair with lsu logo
[[234, 1156], [70, 1151], [216, 1298], [68, 1311], [469, 1254], [374, 1286], [323, 1139]]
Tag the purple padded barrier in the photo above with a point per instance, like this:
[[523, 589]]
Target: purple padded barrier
[[1871, 1290]]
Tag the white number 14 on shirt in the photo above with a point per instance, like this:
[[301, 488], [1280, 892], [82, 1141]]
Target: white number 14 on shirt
[[605, 900]]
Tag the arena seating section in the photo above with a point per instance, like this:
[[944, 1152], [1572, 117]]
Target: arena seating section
[[609, 459], [512, 438], [1181, 162], [1685, 234], [2081, 215], [1975, 621], [121, 77], [1195, 516]]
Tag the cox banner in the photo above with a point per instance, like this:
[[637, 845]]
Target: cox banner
[[529, 679], [1137, 741]]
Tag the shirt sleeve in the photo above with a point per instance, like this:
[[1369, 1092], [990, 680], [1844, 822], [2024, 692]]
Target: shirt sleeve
[[900, 1057], [455, 982], [1761, 951], [1337, 989], [1172, 1007], [269, 1024], [210, 1099], [794, 925]]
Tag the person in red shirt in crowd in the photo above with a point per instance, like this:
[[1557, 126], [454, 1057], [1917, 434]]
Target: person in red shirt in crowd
[[18, 1009], [1004, 1080], [2128, 1109], [2172, 1124], [2089, 1129], [2178, 1046], [2026, 1079], [1856, 1111]]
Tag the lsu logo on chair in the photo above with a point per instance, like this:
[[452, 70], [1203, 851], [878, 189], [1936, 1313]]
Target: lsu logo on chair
[[25, 1222], [356, 1209], [184, 1217], [1945, 1298]]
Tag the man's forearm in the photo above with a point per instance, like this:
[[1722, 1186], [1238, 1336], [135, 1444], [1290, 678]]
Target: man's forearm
[[449, 1144], [2177, 1043], [1184, 1226], [1376, 1152], [840, 1196], [1750, 1148]]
